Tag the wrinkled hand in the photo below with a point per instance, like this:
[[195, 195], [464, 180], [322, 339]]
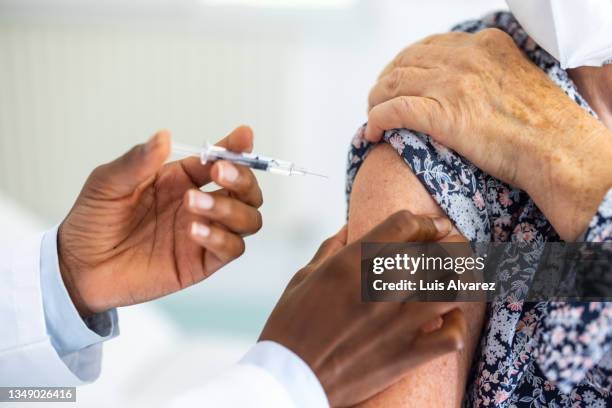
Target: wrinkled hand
[[140, 229], [358, 349], [480, 96]]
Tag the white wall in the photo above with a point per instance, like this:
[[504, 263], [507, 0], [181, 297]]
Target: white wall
[[82, 80]]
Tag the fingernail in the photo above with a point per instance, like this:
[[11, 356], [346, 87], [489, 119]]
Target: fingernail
[[443, 225], [228, 172], [200, 230], [200, 200]]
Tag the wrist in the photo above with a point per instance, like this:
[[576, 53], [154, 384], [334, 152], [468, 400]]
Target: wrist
[[574, 176], [68, 268]]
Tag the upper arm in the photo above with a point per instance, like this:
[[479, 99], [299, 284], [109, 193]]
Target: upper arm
[[384, 185]]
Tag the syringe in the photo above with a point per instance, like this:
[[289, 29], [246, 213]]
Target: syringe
[[211, 153]]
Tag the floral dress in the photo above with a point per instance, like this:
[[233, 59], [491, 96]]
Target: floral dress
[[546, 354]]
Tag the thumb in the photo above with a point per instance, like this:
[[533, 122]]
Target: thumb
[[403, 226], [124, 174], [410, 112]]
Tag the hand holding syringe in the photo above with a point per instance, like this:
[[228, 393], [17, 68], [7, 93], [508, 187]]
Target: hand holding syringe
[[210, 153]]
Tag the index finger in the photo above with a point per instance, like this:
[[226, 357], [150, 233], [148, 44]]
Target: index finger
[[239, 140], [403, 226], [401, 81], [420, 55], [450, 337]]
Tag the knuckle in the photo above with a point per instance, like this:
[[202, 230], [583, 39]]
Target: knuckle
[[298, 277], [414, 224], [459, 35], [431, 38], [187, 200], [235, 246], [240, 247], [259, 200], [492, 36], [476, 55], [431, 114], [258, 221], [227, 209], [99, 171], [398, 60], [326, 244], [247, 180], [404, 57], [402, 218], [464, 83], [412, 55], [402, 105], [329, 243], [445, 38], [393, 82]]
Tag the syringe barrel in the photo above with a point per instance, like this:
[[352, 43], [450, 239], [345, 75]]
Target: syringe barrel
[[214, 153], [281, 167]]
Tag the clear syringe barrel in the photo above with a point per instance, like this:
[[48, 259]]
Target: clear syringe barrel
[[254, 161]]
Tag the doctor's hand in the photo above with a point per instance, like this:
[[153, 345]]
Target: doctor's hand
[[357, 349], [140, 229], [479, 95]]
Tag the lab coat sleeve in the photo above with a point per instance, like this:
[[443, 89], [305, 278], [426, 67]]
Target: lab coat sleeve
[[44, 341], [269, 375]]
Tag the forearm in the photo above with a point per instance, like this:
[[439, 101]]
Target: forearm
[[574, 174]]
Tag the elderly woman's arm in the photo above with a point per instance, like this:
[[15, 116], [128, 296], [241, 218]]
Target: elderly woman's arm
[[479, 95], [383, 186]]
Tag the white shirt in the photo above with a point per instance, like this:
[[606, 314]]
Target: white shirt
[[45, 342]]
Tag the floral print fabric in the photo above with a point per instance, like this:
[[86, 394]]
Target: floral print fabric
[[546, 354]]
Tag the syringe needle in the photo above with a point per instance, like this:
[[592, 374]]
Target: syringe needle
[[315, 174], [304, 172]]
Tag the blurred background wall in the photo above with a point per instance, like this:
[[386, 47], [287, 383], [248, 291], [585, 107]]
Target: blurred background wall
[[83, 80]]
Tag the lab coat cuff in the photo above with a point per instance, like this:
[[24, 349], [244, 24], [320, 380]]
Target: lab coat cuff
[[290, 371], [67, 330]]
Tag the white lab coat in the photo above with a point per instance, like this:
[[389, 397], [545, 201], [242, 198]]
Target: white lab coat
[[27, 357], [271, 376]]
